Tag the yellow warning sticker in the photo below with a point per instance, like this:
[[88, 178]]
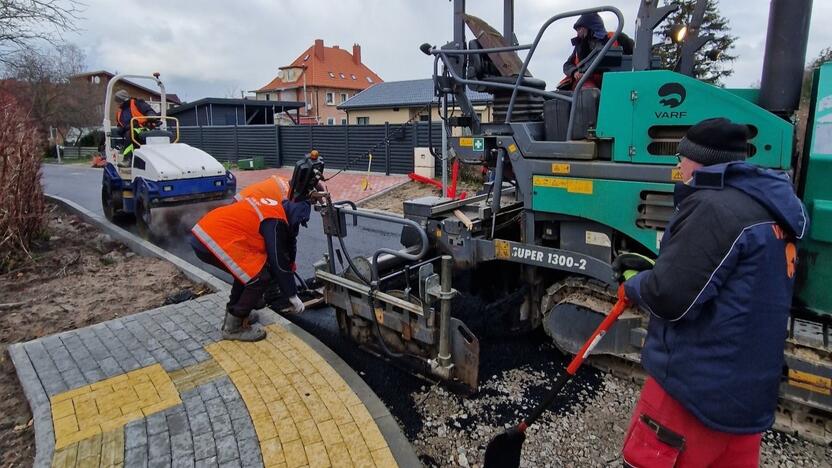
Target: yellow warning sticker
[[811, 382], [466, 141], [581, 186], [379, 312], [676, 175], [559, 168], [512, 148], [502, 249]]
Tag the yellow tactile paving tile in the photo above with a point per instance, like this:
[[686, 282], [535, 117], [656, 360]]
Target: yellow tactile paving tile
[[108, 405], [190, 377], [303, 412], [100, 450]]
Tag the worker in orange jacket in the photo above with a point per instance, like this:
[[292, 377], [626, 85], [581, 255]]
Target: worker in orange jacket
[[128, 108], [254, 239], [272, 187]]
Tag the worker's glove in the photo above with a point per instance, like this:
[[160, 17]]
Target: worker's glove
[[296, 304], [293, 267], [629, 264]]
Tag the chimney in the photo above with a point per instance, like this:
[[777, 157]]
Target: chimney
[[335, 46], [356, 54], [319, 48]]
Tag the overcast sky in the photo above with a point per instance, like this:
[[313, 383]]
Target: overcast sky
[[216, 48]]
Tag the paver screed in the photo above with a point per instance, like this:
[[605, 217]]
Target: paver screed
[[160, 388]]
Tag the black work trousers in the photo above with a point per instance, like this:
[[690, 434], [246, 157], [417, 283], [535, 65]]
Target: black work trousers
[[244, 296]]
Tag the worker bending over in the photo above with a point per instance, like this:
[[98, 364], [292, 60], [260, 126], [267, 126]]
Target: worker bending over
[[254, 239], [719, 297], [128, 108]]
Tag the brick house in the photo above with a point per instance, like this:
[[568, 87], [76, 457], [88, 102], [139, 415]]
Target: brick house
[[323, 77], [99, 79]]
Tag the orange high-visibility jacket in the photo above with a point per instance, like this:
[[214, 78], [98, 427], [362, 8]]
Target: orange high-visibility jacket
[[134, 112], [232, 234], [274, 187]]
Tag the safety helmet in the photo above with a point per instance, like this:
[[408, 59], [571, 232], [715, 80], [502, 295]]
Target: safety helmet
[[122, 95]]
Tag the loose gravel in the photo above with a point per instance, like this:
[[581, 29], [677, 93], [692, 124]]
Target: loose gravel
[[585, 430]]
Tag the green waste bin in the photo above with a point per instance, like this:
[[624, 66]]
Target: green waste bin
[[257, 162]]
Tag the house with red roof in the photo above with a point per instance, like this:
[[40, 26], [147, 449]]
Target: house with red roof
[[323, 77]]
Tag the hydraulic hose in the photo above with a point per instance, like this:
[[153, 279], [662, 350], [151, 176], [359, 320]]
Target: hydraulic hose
[[373, 281]]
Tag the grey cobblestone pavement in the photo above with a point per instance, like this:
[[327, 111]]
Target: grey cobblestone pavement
[[159, 388]]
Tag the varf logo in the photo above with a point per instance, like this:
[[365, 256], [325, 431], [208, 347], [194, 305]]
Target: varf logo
[[671, 95]]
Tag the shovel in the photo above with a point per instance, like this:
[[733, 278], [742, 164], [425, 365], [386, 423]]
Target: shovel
[[365, 182], [504, 450]]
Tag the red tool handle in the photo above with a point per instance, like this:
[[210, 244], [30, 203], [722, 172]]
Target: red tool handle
[[579, 358], [596, 337]]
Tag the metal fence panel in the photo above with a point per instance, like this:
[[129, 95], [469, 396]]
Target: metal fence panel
[[338, 144], [78, 152], [191, 136], [294, 143], [331, 142], [220, 142], [258, 140]]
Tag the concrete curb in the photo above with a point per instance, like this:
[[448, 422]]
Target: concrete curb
[[45, 441], [141, 246], [38, 403]]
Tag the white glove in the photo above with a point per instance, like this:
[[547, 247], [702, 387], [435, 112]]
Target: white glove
[[296, 304]]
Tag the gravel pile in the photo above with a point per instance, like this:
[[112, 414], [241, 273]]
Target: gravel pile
[[585, 430]]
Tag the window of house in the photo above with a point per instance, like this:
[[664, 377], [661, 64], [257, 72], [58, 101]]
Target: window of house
[[342, 76], [343, 121], [344, 97], [330, 121], [330, 98], [331, 75], [362, 120], [352, 76], [424, 118], [369, 80], [268, 97]]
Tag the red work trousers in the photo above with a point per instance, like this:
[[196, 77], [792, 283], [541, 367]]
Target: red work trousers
[[663, 434]]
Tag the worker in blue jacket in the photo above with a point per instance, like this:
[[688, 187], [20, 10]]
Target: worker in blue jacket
[[719, 297]]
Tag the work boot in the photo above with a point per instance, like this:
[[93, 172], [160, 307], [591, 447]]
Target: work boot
[[239, 329], [253, 316]]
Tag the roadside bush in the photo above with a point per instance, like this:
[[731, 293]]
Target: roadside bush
[[21, 195]]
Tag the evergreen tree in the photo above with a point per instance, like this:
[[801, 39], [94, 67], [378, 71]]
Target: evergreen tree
[[713, 58], [824, 56]]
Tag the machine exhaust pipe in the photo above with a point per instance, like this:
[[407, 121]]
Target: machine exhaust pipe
[[785, 57]]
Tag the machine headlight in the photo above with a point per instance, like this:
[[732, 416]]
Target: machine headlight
[[167, 188], [218, 183]]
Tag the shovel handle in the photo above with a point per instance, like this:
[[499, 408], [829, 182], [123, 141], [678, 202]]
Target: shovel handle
[[596, 337], [579, 358]]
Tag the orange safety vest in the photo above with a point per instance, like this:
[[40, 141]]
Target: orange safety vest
[[134, 112], [232, 234], [274, 187]]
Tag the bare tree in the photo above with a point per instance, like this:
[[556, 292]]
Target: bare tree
[[52, 98], [24, 22]]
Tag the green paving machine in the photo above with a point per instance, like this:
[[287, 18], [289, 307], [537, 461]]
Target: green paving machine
[[580, 177]]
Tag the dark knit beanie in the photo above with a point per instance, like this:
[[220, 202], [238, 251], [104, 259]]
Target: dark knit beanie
[[715, 141]]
